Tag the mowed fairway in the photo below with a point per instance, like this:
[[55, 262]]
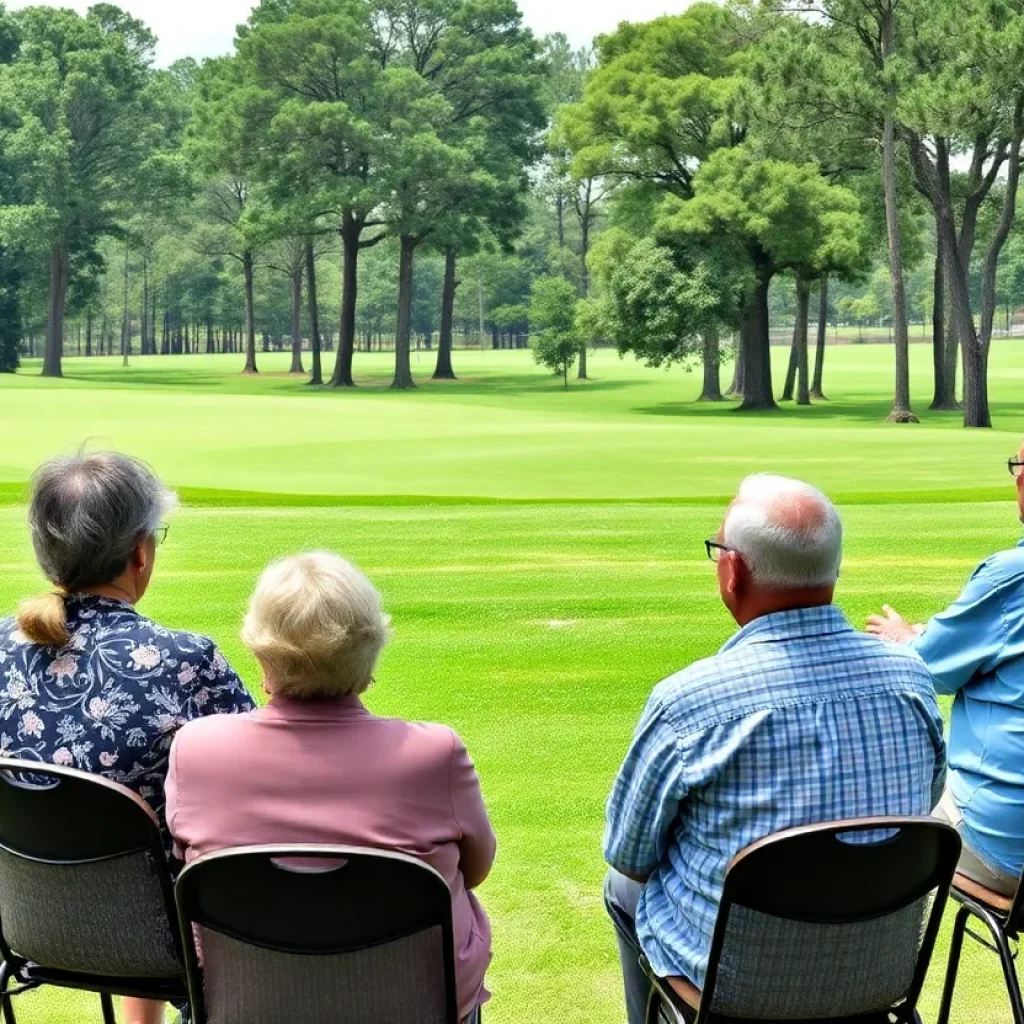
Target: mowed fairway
[[535, 627]]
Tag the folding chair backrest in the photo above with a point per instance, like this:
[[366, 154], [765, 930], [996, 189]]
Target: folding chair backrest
[[83, 880], [830, 921], [325, 935]]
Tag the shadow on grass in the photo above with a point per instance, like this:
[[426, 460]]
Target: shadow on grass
[[870, 410], [165, 379]]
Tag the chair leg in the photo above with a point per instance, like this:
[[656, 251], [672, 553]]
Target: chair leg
[[107, 1002], [653, 1006], [1010, 973], [6, 999], [956, 946], [1002, 946]]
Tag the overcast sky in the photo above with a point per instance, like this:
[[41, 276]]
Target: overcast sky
[[205, 28]]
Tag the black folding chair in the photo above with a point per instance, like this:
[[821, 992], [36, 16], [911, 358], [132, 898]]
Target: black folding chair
[[831, 922], [85, 897], [1003, 917], [318, 934]]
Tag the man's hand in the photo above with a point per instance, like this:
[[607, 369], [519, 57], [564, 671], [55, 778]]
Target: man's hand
[[892, 626]]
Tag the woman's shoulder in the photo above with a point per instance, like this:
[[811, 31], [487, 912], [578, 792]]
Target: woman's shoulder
[[215, 731], [440, 740]]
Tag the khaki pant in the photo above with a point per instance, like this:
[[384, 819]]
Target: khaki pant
[[971, 863]]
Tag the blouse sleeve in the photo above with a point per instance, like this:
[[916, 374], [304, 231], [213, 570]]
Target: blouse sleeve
[[477, 843], [226, 693]]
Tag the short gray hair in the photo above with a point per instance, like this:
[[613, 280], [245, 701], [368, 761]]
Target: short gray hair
[[788, 533], [317, 626], [88, 511]]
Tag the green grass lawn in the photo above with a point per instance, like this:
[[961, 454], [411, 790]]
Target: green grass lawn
[[536, 627]]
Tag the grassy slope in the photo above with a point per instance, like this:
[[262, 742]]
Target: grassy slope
[[506, 431], [535, 629]]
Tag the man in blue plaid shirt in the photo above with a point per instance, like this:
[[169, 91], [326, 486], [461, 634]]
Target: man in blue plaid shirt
[[798, 719]]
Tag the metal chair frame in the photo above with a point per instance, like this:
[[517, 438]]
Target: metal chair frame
[[190, 913], [666, 1004], [25, 975], [1004, 928]]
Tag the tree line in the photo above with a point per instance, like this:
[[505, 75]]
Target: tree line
[[366, 169]]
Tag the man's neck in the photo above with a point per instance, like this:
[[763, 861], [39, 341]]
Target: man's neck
[[784, 601]]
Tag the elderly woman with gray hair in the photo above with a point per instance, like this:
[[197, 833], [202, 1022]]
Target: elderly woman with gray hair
[[315, 766], [86, 680]]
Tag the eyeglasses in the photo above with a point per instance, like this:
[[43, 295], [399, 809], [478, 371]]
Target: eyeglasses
[[160, 534], [715, 550], [1016, 468]]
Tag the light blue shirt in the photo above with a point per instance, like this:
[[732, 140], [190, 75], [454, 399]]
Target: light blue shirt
[[798, 719], [975, 649]]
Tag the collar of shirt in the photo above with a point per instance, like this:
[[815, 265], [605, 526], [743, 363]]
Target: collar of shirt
[[796, 624], [99, 601], [316, 710]]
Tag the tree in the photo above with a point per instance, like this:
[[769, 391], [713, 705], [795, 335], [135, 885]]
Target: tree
[[327, 75], [223, 143], [316, 377], [10, 311], [782, 216], [553, 335], [668, 303], [76, 127], [465, 135], [659, 104], [817, 384], [863, 52], [846, 260], [968, 97], [584, 196]]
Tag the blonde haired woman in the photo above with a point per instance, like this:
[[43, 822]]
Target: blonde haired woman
[[315, 766], [85, 679]]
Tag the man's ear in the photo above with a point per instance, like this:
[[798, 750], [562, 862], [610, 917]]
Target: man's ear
[[735, 573]]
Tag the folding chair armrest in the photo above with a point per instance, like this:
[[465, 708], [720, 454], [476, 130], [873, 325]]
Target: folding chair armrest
[[672, 1003]]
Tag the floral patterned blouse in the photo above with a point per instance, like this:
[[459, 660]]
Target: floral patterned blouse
[[111, 701]]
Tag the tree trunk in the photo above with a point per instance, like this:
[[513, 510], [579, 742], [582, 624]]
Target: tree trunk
[[444, 369], [54, 351], [944, 396], [976, 407], [152, 324], [790, 384], [803, 304], [297, 320], [901, 410], [250, 314], [756, 345], [88, 333], [351, 230], [736, 387], [711, 358], [126, 321], [403, 369], [144, 327], [314, 314], [585, 216], [819, 349]]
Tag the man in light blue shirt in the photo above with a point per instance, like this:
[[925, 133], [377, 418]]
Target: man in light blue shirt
[[798, 719], [975, 651]]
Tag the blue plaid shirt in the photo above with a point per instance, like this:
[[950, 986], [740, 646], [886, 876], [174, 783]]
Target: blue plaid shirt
[[798, 719]]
